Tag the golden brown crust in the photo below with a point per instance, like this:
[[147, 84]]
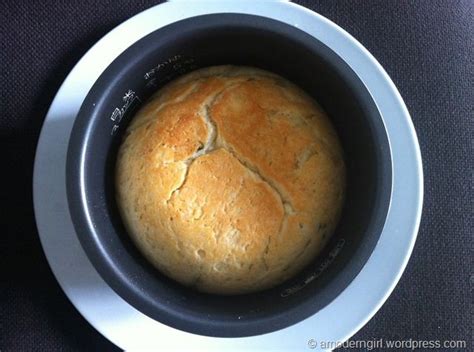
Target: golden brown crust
[[230, 179]]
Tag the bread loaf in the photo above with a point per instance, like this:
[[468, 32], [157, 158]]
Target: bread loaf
[[230, 179]]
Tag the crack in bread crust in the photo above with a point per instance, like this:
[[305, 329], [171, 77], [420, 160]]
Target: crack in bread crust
[[214, 142], [212, 135], [285, 202], [221, 143], [287, 207]]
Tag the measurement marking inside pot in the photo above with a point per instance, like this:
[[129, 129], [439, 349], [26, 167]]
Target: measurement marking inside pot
[[130, 99], [319, 270]]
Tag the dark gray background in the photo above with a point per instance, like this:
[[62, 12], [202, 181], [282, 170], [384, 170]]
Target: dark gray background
[[426, 47]]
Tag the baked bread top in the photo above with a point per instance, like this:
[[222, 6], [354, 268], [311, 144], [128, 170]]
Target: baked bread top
[[230, 179]]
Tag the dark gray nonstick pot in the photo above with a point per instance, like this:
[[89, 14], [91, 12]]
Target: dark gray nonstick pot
[[214, 40]]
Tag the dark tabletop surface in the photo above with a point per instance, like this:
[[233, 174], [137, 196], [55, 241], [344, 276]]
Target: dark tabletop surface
[[427, 48]]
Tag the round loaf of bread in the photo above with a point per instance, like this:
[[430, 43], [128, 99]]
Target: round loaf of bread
[[230, 179]]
